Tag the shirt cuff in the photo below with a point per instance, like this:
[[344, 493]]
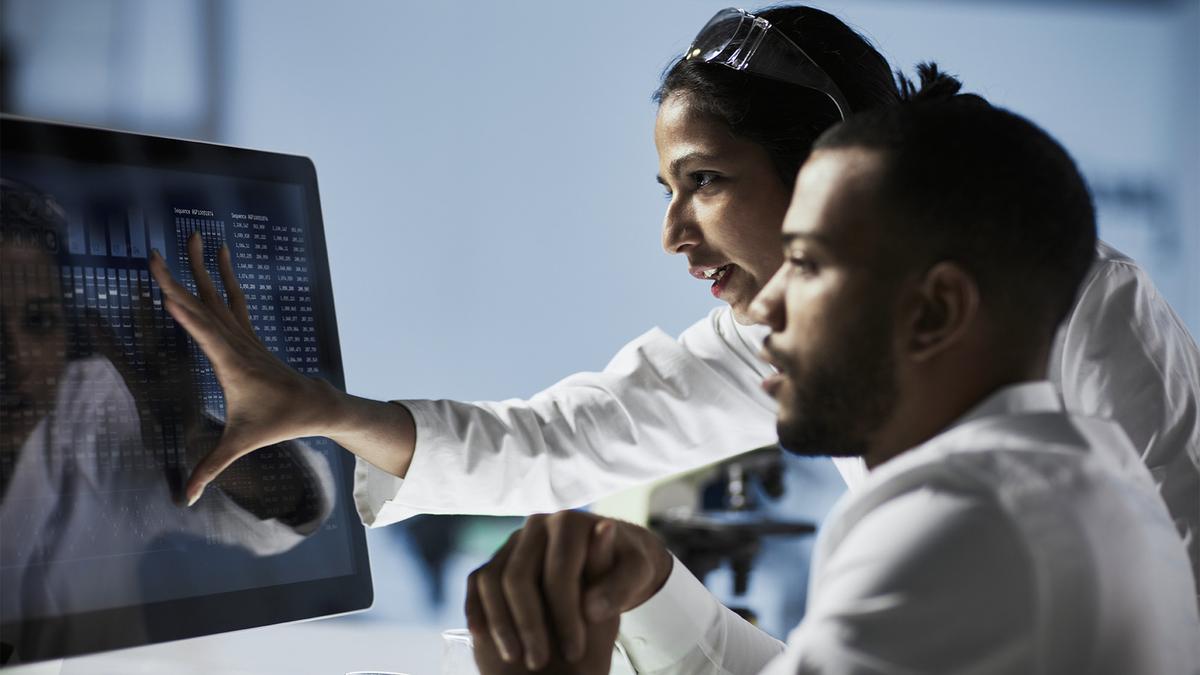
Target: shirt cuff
[[374, 489], [377, 493], [666, 628]]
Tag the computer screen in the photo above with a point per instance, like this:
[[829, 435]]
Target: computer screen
[[107, 403]]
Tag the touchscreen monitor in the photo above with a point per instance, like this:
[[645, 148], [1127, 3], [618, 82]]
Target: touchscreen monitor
[[106, 403]]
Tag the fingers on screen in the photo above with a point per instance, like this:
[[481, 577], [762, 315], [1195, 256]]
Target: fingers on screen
[[233, 290], [205, 288], [229, 449]]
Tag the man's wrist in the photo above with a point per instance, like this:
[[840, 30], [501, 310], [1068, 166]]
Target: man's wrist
[[664, 564]]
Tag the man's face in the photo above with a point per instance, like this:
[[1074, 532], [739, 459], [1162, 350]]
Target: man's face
[[830, 309]]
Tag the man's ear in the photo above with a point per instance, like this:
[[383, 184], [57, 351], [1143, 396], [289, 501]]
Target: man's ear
[[943, 305]]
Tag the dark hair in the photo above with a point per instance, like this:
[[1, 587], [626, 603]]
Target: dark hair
[[966, 181], [32, 219], [785, 118]]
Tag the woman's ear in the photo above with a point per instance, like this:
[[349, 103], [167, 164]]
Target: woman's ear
[[943, 305]]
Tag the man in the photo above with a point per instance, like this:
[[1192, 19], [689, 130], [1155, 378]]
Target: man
[[931, 251]]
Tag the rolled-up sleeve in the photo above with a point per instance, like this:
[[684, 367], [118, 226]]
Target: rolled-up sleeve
[[660, 407]]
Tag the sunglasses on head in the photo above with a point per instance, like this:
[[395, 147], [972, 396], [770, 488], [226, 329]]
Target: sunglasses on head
[[740, 40]]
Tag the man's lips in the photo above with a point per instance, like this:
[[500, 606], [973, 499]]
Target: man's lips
[[771, 355], [772, 382]]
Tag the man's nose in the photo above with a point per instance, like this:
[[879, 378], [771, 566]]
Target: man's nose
[[680, 231], [767, 307]]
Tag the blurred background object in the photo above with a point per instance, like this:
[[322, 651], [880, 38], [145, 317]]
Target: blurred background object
[[487, 174]]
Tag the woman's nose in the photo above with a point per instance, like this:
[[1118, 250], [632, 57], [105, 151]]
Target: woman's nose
[[680, 231]]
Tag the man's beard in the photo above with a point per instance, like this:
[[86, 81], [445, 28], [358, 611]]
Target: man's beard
[[844, 396]]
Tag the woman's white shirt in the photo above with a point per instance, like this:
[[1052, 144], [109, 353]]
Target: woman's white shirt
[[81, 489], [664, 406], [660, 407]]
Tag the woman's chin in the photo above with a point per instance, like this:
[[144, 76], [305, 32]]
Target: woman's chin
[[741, 312], [739, 293]]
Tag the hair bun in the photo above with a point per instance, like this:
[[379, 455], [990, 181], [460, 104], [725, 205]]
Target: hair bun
[[935, 84]]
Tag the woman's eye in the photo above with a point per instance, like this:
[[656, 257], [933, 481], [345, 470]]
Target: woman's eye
[[40, 321], [703, 178]]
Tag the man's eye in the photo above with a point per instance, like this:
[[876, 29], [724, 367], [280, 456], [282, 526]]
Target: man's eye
[[802, 264], [703, 178]]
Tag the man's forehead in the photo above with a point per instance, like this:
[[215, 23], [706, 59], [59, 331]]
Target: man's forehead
[[835, 196]]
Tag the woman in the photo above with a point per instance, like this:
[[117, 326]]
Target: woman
[[734, 124]]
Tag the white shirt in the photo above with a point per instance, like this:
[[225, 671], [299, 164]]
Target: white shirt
[[660, 407], [1016, 541], [664, 406], [1123, 354]]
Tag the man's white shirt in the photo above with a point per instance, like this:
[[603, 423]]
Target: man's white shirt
[[1016, 541]]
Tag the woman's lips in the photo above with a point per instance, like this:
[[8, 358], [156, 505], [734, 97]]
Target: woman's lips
[[723, 281], [718, 274]]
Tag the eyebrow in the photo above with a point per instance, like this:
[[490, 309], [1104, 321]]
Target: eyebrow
[[819, 239], [673, 167]]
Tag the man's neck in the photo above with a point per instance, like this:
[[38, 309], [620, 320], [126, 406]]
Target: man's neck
[[930, 410]]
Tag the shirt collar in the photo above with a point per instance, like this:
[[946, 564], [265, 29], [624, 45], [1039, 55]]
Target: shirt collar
[[1025, 397]]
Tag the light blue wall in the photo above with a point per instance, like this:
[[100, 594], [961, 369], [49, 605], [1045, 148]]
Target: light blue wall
[[487, 172], [487, 168], [487, 179]]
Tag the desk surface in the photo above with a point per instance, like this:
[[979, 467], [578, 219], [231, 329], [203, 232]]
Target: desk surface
[[327, 647]]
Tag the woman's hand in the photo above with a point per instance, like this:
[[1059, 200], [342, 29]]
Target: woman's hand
[[266, 401], [551, 594]]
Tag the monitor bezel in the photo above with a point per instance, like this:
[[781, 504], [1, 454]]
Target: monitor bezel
[[210, 614]]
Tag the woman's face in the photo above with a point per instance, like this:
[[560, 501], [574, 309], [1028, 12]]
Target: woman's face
[[727, 203], [33, 336]]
